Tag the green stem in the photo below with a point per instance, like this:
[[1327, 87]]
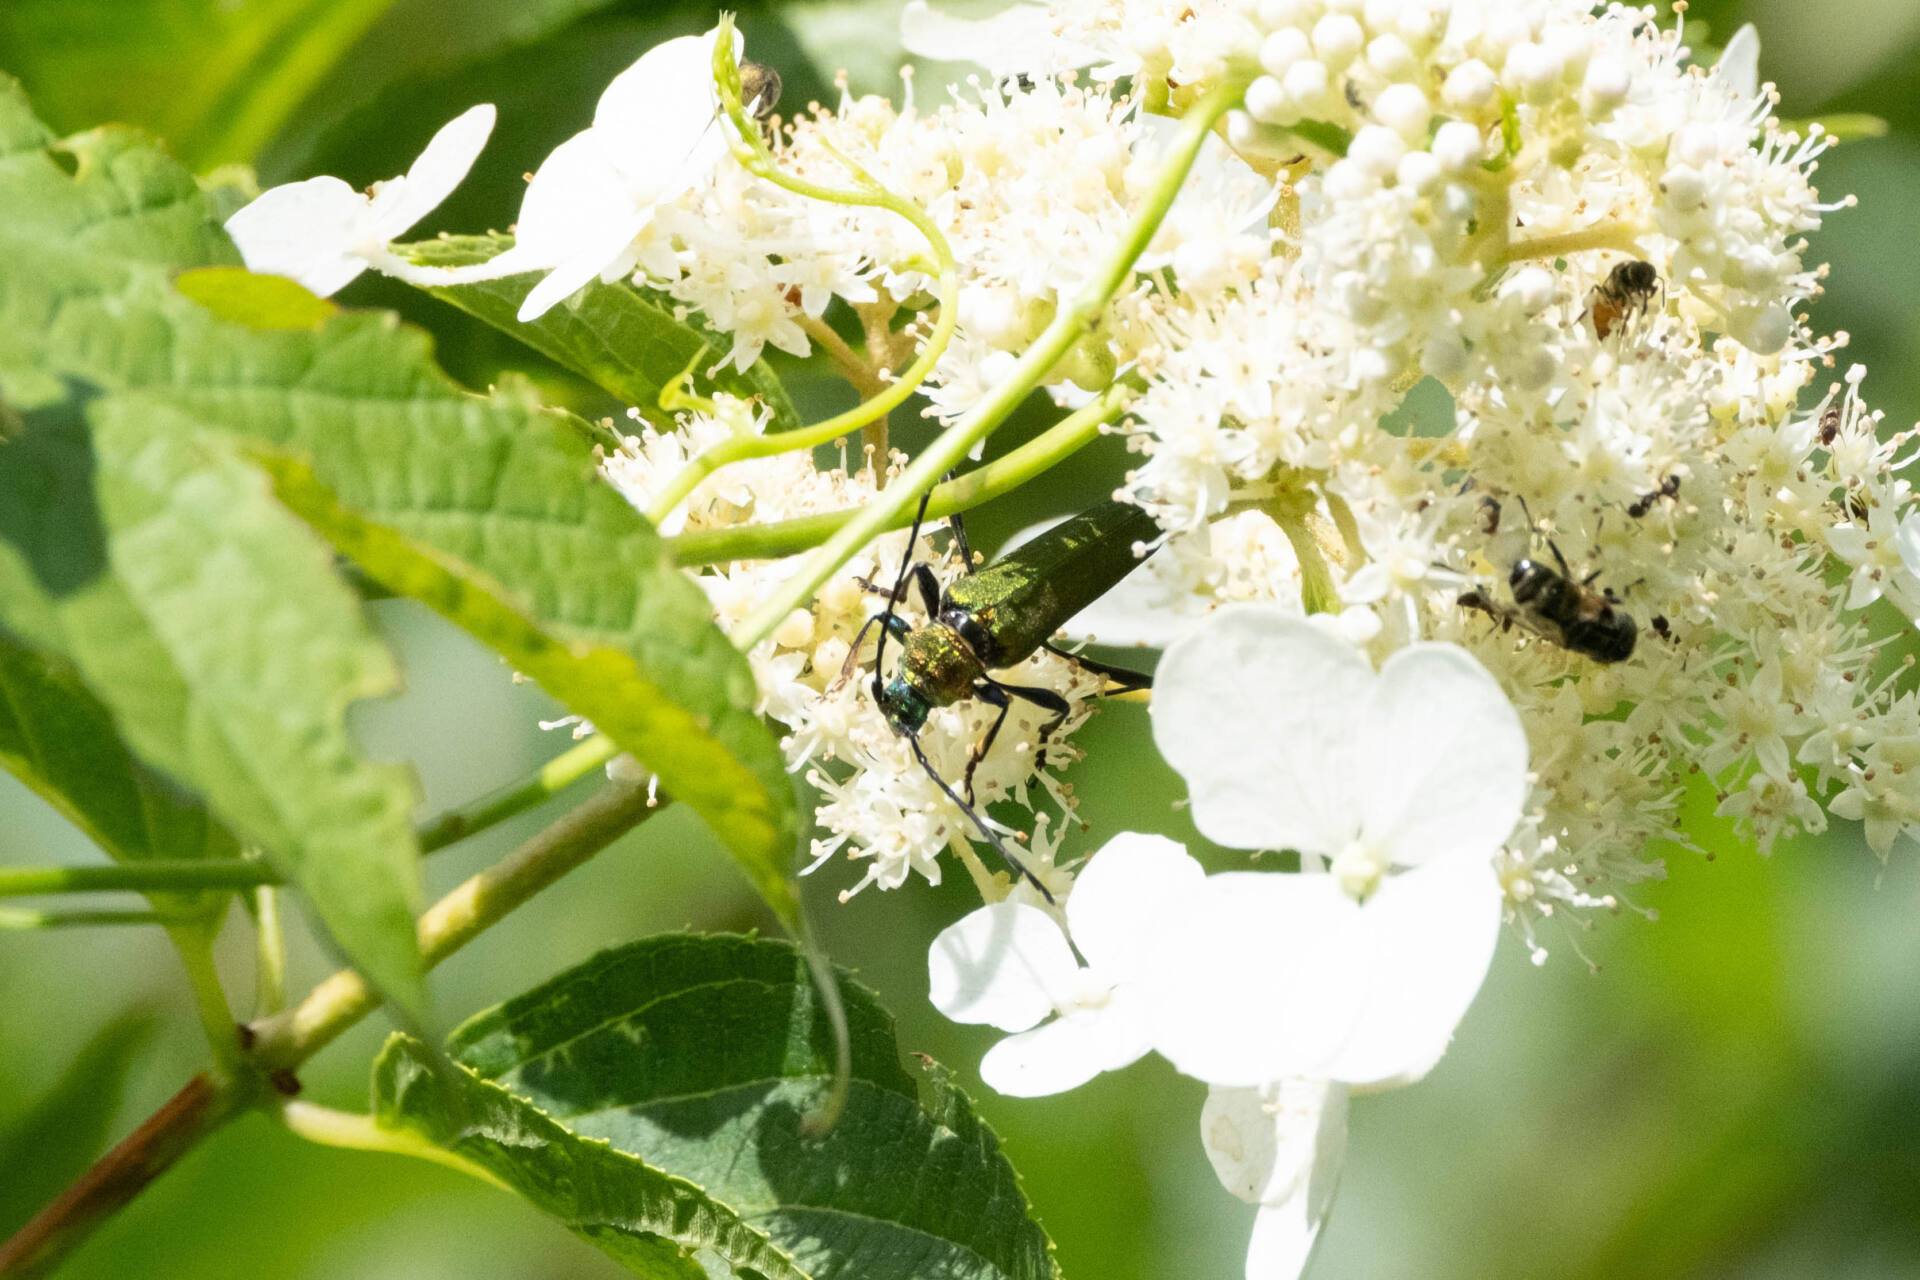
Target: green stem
[[750, 148], [22, 918], [1609, 235], [270, 953], [538, 787], [161, 875], [185, 875], [1318, 594], [282, 1042], [195, 944], [355, 1132], [287, 1039], [982, 484], [1069, 325]]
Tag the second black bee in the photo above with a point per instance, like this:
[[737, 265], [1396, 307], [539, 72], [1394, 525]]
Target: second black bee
[[1553, 604]]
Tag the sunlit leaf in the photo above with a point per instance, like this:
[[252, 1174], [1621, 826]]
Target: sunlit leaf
[[489, 510]]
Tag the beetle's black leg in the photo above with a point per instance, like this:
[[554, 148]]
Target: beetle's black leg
[[959, 527], [1019, 868], [1129, 681], [994, 694], [923, 580], [892, 621], [999, 693]]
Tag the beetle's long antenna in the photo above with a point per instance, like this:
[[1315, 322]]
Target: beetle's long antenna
[[993, 838], [913, 739], [899, 586]]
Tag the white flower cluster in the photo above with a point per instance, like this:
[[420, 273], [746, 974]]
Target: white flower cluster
[[1591, 244], [1628, 545], [878, 804], [1467, 191]]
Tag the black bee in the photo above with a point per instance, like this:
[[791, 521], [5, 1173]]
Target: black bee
[[1630, 286], [1669, 488], [1570, 613], [1830, 426], [759, 89]]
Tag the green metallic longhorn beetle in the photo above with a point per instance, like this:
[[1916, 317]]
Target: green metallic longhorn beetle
[[994, 619]]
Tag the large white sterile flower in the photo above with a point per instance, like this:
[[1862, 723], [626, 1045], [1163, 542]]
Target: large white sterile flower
[[323, 233], [1010, 965], [1280, 1147], [1407, 782], [656, 133]]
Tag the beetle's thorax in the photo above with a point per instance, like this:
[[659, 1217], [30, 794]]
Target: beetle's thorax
[[940, 666]]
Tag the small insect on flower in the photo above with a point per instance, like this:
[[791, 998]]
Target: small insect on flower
[[1630, 286], [759, 88], [1552, 604], [1669, 488], [994, 619], [1830, 425]]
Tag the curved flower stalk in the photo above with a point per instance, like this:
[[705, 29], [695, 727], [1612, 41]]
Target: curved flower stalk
[[323, 233]]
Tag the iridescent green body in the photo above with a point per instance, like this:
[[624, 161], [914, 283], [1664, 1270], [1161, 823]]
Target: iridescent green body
[[1016, 603], [993, 619]]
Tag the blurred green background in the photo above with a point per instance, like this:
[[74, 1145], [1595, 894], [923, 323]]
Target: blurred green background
[[1733, 1090]]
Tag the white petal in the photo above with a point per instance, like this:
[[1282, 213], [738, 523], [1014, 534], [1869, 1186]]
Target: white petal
[[1065, 1053], [1119, 901], [659, 119], [589, 262], [1015, 40], [1260, 977], [674, 77], [1283, 1239], [1259, 710], [1432, 933], [1444, 757], [306, 231], [1006, 964], [1906, 540], [1739, 62], [1282, 1147], [440, 169], [576, 195], [1265, 1142]]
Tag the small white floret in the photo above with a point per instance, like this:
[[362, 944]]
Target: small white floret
[[323, 233]]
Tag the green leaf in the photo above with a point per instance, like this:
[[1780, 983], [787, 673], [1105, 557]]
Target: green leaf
[[49, 1145], [137, 549], [56, 737], [489, 510], [623, 339], [658, 1090], [216, 79]]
